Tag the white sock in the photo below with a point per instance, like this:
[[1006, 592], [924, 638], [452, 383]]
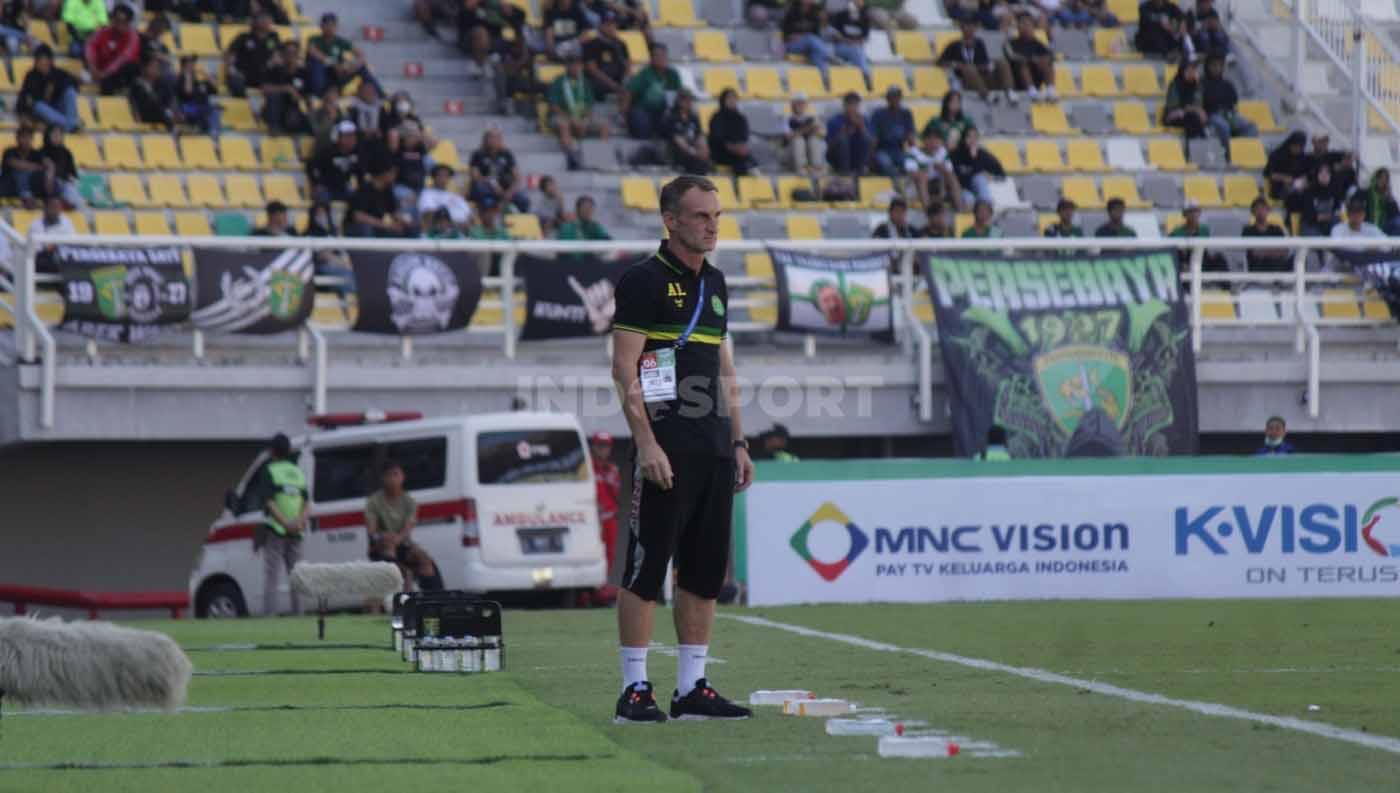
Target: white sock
[[634, 665], [690, 666]]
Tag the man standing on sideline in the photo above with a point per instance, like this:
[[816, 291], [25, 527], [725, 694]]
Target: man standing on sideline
[[669, 362], [282, 491], [609, 482]]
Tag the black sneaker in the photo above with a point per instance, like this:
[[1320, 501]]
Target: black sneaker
[[705, 703], [637, 705]]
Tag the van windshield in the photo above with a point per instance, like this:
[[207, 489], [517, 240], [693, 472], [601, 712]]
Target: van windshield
[[517, 457]]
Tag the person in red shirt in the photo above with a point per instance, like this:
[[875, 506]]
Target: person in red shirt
[[609, 482], [113, 53]]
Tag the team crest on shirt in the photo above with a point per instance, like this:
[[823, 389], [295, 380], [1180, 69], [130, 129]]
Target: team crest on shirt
[[717, 305]]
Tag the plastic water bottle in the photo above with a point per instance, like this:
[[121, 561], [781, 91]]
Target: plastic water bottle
[[491, 660], [817, 707], [779, 696], [931, 746], [860, 727]]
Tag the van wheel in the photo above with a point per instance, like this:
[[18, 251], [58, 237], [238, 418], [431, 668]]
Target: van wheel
[[220, 600]]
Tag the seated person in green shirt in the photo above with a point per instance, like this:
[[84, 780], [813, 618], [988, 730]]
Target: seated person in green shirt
[[981, 227], [486, 221], [648, 94], [438, 225], [330, 58], [1115, 226], [390, 517], [1192, 227], [571, 103], [582, 226], [1064, 226]]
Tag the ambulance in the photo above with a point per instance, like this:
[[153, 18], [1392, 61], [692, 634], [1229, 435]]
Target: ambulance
[[506, 501]]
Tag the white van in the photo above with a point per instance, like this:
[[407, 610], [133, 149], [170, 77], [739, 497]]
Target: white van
[[506, 501]]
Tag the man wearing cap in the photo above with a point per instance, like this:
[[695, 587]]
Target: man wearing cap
[[571, 102], [643, 104], [250, 54], [1115, 227], [1192, 228], [49, 93], [849, 144], [486, 221], [681, 129], [606, 59], [1064, 225], [608, 479], [893, 126], [279, 488], [334, 167], [113, 54], [439, 195], [332, 58]]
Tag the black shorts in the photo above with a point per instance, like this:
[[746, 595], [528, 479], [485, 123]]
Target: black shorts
[[400, 556], [690, 522]]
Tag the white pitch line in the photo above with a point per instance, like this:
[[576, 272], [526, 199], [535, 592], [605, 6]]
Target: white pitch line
[[1320, 729]]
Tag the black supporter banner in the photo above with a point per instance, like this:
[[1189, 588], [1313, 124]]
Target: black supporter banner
[[1074, 356], [569, 296], [260, 291], [410, 294], [1380, 271], [843, 296], [122, 294]]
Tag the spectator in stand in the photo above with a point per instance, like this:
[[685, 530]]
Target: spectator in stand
[[275, 224], [1286, 171], [890, 16], [802, 27], [83, 18], [438, 225], [1355, 225], [430, 12], [571, 103], [1064, 226], [852, 26], [49, 94], [631, 14], [334, 264], [284, 105], [410, 151], [982, 228], [1381, 207], [374, 209], [51, 221], [804, 139], [481, 27], [976, 167], [113, 53], [1082, 14], [332, 59], [514, 76], [250, 54], [1219, 100], [728, 137], [583, 226], [1208, 36], [439, 195], [606, 59], [60, 170], [152, 101], [153, 47], [194, 97], [689, 150], [1161, 30], [1032, 63], [493, 173], [970, 66], [486, 221], [1114, 226], [365, 110], [897, 225], [326, 116], [987, 13], [22, 169], [1192, 228], [938, 226], [893, 127], [644, 102], [1265, 260], [1342, 163], [930, 167], [761, 13], [1183, 106], [1275, 438], [951, 123], [550, 206], [331, 170], [14, 26], [850, 146], [564, 25], [1320, 208]]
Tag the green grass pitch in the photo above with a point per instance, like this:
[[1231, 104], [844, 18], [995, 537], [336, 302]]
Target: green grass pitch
[[342, 719]]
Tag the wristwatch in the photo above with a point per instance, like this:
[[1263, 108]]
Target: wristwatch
[[742, 443]]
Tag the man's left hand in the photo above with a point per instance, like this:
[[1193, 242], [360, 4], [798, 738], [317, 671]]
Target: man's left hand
[[743, 470]]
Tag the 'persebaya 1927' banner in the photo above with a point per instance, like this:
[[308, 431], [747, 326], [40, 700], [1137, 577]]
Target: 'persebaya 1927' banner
[[1073, 356]]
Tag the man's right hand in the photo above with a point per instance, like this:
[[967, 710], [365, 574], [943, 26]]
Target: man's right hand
[[656, 467]]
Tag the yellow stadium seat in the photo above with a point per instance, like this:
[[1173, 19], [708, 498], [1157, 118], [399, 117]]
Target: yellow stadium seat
[[1141, 80], [1124, 187], [930, 82], [108, 221], [1339, 304], [1007, 154], [40, 30], [756, 192], [1204, 191], [237, 153], [547, 72], [86, 114], [758, 265], [115, 113], [808, 80], [876, 191], [804, 227], [787, 185], [1098, 80], [128, 190], [1085, 156], [637, 49], [152, 224], [1248, 153], [923, 113], [1082, 191], [1065, 84], [913, 46], [192, 224], [1050, 120], [941, 40], [282, 187], [1373, 307], [729, 228], [1166, 155], [1131, 117], [1044, 222], [199, 154], [86, 155], [281, 153], [243, 191], [205, 191], [764, 83], [639, 192], [720, 78], [728, 201], [1217, 304], [444, 153], [713, 46], [166, 191], [8, 84], [706, 111], [238, 115], [962, 222], [883, 78], [923, 308], [1044, 156], [198, 40], [1258, 111], [121, 153], [845, 80], [159, 152], [524, 226], [1125, 10], [1240, 190], [677, 14], [1110, 43]]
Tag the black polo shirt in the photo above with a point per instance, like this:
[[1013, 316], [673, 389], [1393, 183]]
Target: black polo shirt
[[657, 298]]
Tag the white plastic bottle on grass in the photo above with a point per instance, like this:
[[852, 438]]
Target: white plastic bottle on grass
[[861, 727]]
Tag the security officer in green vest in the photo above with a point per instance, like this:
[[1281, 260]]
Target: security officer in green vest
[[281, 489], [995, 450]]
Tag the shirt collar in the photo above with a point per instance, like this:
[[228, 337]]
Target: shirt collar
[[673, 262]]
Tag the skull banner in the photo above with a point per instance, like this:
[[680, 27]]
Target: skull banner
[[409, 294]]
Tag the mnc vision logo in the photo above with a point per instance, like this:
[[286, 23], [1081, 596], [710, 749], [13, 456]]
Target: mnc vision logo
[[1289, 528], [829, 512]]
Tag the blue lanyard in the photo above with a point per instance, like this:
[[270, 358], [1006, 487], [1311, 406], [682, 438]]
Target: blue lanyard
[[694, 318]]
